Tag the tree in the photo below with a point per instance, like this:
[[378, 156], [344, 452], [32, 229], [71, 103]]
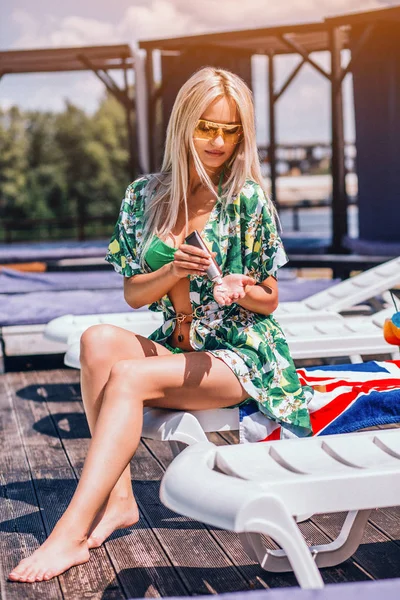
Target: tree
[[65, 164], [13, 163]]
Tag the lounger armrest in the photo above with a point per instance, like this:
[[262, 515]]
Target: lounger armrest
[[170, 425], [192, 488]]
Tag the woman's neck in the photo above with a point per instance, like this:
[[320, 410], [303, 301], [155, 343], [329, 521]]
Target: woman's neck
[[195, 182]]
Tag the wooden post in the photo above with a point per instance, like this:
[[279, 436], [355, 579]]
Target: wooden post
[[129, 110], [272, 128], [339, 195], [150, 108]]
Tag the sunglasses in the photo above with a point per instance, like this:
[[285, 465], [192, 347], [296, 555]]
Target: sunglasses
[[208, 130]]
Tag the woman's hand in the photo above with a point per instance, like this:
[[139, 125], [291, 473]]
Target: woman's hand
[[232, 288], [189, 260]]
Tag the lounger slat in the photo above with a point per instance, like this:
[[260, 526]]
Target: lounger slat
[[350, 292], [322, 457], [359, 454], [390, 444], [264, 468], [344, 328], [312, 460], [366, 281], [256, 463], [390, 268]]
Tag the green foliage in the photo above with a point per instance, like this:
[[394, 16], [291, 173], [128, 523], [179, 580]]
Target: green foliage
[[63, 165], [13, 162]]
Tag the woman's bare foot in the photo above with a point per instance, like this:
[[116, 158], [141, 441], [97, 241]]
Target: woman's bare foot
[[118, 514], [55, 556]]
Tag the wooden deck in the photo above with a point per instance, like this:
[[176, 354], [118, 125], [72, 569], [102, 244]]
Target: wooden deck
[[44, 438]]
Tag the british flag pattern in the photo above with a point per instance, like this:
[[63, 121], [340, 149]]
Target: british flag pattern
[[346, 398]]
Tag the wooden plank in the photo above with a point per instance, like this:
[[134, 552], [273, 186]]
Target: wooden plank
[[197, 558], [231, 544], [21, 532], [54, 487], [387, 520], [39, 435], [178, 556], [142, 566], [60, 390], [229, 541], [95, 579], [377, 554], [12, 455], [197, 555], [27, 343]]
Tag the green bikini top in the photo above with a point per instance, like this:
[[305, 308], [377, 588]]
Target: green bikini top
[[159, 253]]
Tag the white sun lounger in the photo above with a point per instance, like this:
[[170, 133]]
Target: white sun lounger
[[258, 489], [331, 337], [339, 297], [346, 294], [178, 427], [338, 336], [60, 329]]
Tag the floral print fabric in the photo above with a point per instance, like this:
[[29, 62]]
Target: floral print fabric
[[245, 239]]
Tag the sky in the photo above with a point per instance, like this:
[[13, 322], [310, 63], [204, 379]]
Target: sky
[[303, 111]]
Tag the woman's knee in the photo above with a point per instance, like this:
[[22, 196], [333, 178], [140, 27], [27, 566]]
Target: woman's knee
[[132, 373], [98, 344]]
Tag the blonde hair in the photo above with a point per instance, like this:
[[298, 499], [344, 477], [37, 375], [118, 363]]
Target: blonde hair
[[168, 188]]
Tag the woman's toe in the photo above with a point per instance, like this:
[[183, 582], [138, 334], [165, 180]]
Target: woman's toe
[[23, 568], [40, 575], [30, 574]]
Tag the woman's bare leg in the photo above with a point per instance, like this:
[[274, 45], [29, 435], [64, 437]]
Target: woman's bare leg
[[102, 346], [188, 381]]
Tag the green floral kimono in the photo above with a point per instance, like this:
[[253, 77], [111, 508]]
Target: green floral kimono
[[245, 239]]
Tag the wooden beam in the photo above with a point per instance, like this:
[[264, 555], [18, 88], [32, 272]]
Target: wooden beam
[[226, 37], [51, 67], [365, 36], [151, 102], [272, 128], [339, 195], [120, 51], [300, 50], [132, 145], [107, 80], [289, 80]]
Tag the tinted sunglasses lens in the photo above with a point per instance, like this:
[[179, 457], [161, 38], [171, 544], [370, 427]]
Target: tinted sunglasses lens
[[208, 131], [232, 135], [205, 131]]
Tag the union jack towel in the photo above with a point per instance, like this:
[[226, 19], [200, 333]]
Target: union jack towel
[[346, 398]]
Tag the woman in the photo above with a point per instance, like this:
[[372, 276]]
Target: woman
[[219, 345]]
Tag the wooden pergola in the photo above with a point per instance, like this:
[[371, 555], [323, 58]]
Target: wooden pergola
[[98, 59], [330, 35]]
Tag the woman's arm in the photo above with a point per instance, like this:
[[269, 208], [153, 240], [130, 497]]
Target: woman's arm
[[261, 298], [147, 288]]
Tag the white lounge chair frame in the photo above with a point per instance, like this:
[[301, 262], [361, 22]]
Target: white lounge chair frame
[[258, 489], [329, 337], [346, 294], [188, 428], [339, 297]]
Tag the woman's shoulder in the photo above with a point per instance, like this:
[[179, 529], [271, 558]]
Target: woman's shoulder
[[138, 186], [252, 195], [136, 194]]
